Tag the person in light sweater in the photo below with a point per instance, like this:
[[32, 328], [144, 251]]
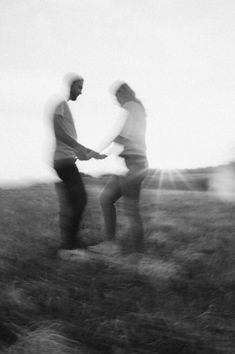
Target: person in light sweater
[[132, 139]]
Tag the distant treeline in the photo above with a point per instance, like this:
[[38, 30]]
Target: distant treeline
[[164, 180], [188, 179]]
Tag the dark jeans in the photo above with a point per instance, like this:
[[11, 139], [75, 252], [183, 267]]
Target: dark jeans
[[72, 199], [128, 187]]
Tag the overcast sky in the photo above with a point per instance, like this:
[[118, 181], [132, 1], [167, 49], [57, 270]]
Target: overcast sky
[[178, 55]]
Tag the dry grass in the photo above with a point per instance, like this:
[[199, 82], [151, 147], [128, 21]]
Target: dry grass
[[44, 340], [179, 298]]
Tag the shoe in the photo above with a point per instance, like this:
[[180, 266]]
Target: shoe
[[74, 254], [108, 248]]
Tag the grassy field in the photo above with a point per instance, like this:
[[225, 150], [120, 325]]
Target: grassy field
[[179, 299]]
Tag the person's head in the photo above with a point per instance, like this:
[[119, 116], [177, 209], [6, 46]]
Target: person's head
[[123, 93], [74, 85]]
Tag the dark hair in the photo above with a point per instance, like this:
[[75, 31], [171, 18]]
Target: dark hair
[[125, 91], [70, 78]]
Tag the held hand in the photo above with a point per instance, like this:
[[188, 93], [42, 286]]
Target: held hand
[[95, 155], [100, 156], [113, 164]]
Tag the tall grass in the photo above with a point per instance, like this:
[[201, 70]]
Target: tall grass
[[179, 297]]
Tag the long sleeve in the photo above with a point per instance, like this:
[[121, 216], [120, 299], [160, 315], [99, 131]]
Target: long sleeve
[[120, 140]]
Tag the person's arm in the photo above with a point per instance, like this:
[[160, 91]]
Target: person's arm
[[81, 151], [115, 135], [95, 155], [120, 140], [63, 136]]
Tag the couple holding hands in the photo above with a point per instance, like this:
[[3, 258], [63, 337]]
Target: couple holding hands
[[71, 191]]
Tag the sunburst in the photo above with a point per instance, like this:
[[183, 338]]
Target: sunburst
[[169, 177]]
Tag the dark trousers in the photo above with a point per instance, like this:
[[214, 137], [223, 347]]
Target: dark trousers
[[128, 187], [72, 199]]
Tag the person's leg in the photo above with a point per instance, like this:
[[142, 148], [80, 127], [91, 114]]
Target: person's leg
[[65, 213], [109, 196], [131, 189], [74, 204], [78, 199]]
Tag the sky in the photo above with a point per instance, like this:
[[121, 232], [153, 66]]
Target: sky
[[178, 56]]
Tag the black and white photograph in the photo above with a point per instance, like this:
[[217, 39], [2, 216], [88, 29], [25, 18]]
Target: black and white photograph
[[117, 178]]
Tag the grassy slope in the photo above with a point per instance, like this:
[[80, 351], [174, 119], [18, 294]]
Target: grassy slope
[[181, 300]]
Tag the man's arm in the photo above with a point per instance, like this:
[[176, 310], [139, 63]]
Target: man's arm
[[81, 151]]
